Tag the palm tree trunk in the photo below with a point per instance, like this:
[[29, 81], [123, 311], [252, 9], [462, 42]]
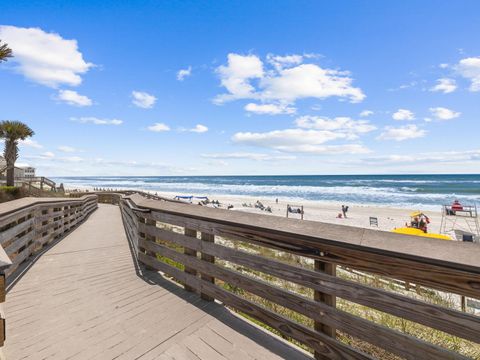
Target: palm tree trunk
[[11, 155], [11, 176]]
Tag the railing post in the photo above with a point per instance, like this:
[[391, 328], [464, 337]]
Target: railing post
[[147, 237], [211, 259], [329, 300], [190, 252]]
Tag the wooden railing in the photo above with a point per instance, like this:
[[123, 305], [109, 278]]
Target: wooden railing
[[27, 225], [227, 255]]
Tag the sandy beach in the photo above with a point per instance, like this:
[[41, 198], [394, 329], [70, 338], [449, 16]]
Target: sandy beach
[[358, 214]]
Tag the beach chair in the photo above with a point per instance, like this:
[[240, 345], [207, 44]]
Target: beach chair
[[373, 221]]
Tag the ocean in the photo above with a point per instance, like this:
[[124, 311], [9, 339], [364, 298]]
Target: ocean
[[403, 191]]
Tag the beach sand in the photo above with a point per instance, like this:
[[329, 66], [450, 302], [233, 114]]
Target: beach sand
[[358, 215]]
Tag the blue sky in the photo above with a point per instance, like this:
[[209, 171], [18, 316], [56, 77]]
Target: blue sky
[[244, 87]]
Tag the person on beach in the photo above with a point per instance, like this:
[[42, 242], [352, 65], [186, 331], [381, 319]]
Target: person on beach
[[344, 211]]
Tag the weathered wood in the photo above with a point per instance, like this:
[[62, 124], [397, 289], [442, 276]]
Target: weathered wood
[[208, 258], [97, 306], [450, 321], [2, 287], [316, 340], [190, 252], [448, 267], [327, 299], [393, 341]]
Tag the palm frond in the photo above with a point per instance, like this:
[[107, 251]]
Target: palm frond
[[5, 52]]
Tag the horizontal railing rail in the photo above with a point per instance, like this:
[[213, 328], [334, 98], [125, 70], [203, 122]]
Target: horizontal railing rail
[[27, 225], [283, 273]]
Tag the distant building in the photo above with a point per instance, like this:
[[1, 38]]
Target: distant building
[[28, 171], [19, 171]]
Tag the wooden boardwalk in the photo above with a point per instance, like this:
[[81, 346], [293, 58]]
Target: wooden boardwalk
[[86, 299]]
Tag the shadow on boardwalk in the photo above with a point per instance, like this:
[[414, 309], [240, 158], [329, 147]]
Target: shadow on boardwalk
[[85, 298]]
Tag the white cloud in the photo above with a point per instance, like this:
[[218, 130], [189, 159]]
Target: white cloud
[[280, 62], [184, 73], [235, 77], [309, 81], [199, 128], [366, 113], [73, 98], [96, 121], [45, 58], [249, 156], [159, 127], [269, 109], [445, 85], [441, 113], [67, 149], [429, 157], [402, 133], [73, 159], [30, 143], [403, 114], [143, 99], [48, 154], [299, 140], [342, 124], [288, 80], [469, 68]]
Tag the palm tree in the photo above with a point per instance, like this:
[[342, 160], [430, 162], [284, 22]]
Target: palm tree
[[5, 52], [12, 132]]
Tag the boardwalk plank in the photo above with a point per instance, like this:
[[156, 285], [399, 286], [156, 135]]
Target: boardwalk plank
[[83, 299]]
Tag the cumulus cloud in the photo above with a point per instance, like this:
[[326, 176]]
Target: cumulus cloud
[[299, 140], [269, 109], [73, 98], [159, 127], [45, 58], [248, 156], [403, 114], [469, 68], [402, 133], [199, 128], [236, 76], [345, 125], [184, 73], [143, 100], [286, 80], [96, 121], [441, 113], [445, 85], [366, 113]]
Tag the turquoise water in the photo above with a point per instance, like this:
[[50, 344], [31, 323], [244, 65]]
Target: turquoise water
[[410, 191]]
